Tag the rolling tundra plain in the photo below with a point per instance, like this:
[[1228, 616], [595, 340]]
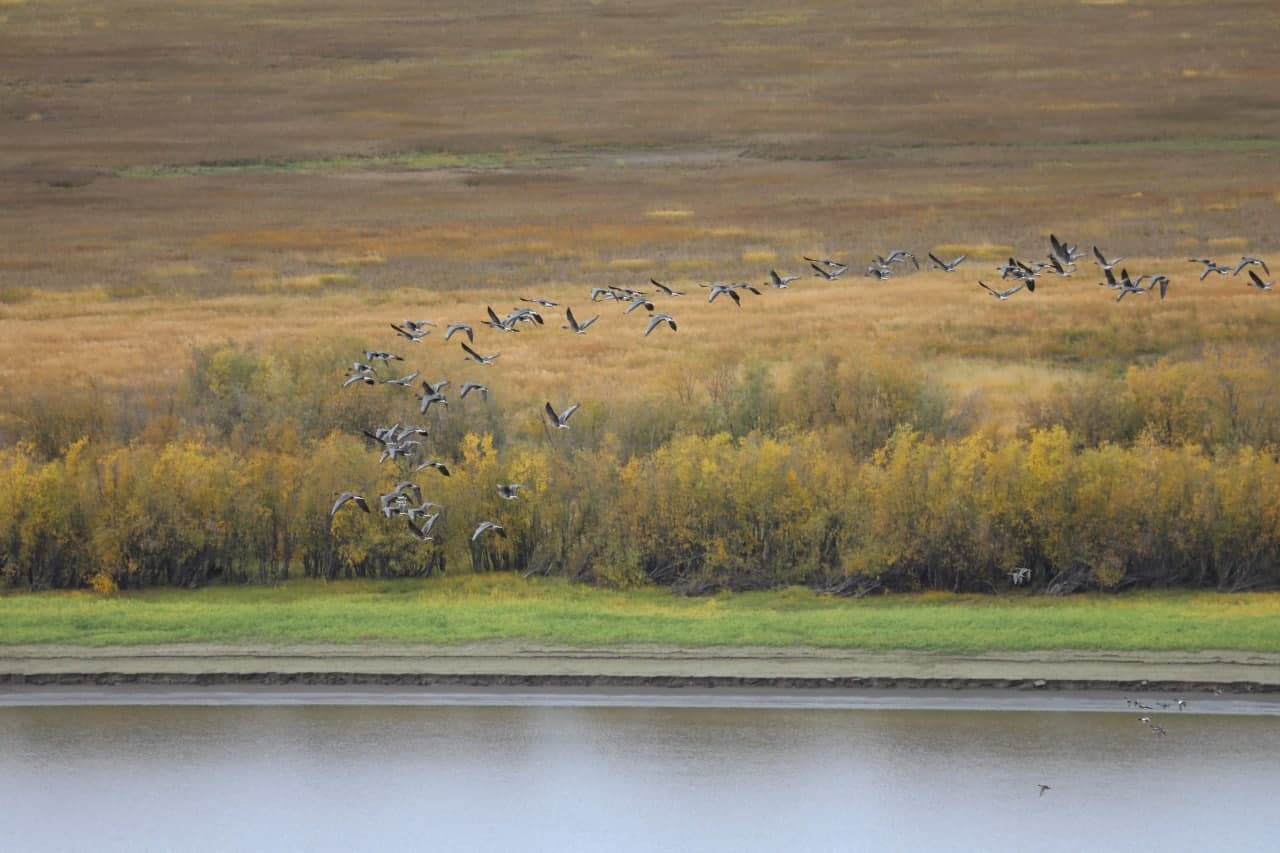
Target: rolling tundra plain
[[212, 213]]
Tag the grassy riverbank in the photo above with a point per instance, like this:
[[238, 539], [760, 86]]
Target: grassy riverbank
[[499, 607]]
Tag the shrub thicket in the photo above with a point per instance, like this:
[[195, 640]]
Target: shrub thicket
[[699, 513], [843, 474]]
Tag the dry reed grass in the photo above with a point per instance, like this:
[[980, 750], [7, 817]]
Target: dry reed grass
[[993, 355]]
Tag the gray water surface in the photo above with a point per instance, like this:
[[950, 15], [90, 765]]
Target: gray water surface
[[631, 775]]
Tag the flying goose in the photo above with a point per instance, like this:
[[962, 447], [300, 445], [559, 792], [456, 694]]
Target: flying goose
[[1059, 269], [1256, 281], [1159, 280], [724, 290], [1029, 272], [468, 387], [666, 291], [1210, 266], [509, 490], [360, 372], [401, 433], [1018, 271], [657, 320], [396, 501], [1008, 269], [394, 450], [878, 271], [780, 281], [477, 357], [501, 325], [382, 435], [947, 266], [369, 378], [1063, 251], [486, 526], [431, 394], [433, 463], [639, 302], [403, 381], [393, 504], [1156, 728], [424, 532], [1002, 295], [414, 513], [413, 336], [541, 303], [899, 256], [829, 273], [1102, 260], [1127, 287], [827, 262], [408, 489], [561, 421], [827, 268], [522, 315], [460, 327], [1246, 261], [378, 355], [1043, 787], [576, 327], [626, 294], [342, 500]]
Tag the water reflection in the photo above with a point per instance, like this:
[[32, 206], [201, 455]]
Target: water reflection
[[626, 778]]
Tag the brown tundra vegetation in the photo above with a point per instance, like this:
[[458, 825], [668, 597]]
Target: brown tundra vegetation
[[210, 211]]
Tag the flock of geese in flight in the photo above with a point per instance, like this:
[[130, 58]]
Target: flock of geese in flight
[[403, 445], [1155, 728]]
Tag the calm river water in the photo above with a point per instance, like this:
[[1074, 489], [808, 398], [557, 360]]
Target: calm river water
[[664, 771]]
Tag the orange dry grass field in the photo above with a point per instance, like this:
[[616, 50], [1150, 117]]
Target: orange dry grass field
[[992, 355], [284, 172]]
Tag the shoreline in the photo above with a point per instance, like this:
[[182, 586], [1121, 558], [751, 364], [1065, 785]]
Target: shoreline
[[511, 665], [718, 698]]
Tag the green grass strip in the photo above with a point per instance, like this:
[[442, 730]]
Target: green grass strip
[[501, 607]]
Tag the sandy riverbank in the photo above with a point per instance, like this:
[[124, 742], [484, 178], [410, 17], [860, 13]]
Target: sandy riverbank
[[508, 664]]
